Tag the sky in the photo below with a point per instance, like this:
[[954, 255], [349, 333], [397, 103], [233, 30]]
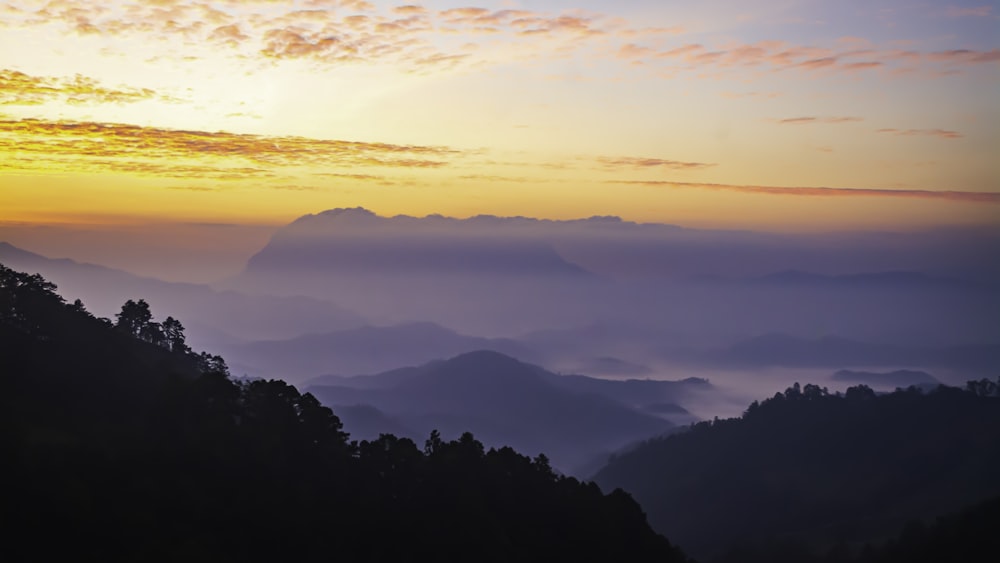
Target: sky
[[778, 115]]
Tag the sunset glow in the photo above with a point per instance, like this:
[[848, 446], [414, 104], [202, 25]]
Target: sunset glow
[[767, 115]]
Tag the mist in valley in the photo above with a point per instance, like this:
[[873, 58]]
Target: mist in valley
[[344, 297]]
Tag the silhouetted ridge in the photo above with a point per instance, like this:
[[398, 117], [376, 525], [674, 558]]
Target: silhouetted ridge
[[207, 310], [811, 470], [124, 446], [898, 378]]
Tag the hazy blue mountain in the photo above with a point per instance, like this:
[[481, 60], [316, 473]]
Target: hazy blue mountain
[[358, 242], [895, 280], [398, 270], [509, 276], [834, 351], [504, 402], [215, 313], [611, 366], [899, 378], [636, 393], [363, 350]]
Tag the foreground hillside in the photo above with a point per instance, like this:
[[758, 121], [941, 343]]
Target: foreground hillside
[[125, 445], [818, 473]]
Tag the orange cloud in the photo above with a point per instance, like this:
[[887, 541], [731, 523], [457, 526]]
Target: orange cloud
[[818, 63], [942, 133], [410, 36], [949, 195], [83, 146], [644, 163], [293, 43], [864, 65], [18, 88], [229, 34], [409, 10], [966, 56], [779, 55], [810, 119]]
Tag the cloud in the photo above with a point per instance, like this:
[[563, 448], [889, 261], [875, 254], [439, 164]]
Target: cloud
[[948, 195], [847, 55], [863, 65], [640, 163], [331, 32], [966, 12], [812, 119], [409, 10], [500, 178], [966, 56], [823, 62], [18, 88], [88, 146], [738, 95], [286, 43], [942, 133], [229, 34], [417, 39]]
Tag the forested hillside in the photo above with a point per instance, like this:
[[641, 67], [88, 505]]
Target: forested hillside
[[122, 444], [816, 473]]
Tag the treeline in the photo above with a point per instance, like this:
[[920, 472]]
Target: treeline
[[810, 475], [121, 443]]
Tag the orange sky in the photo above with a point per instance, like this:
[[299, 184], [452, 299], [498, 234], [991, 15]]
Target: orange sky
[[716, 114]]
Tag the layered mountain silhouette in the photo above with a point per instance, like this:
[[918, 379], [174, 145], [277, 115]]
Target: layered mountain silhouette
[[504, 401], [363, 350], [358, 242], [397, 270], [894, 280], [833, 351], [507, 276], [211, 315]]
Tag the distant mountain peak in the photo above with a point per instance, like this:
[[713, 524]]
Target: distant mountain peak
[[347, 212], [484, 356]]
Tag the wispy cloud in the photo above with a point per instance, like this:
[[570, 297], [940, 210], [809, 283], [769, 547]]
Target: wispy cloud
[[419, 39], [782, 56], [942, 133], [18, 88], [967, 12], [409, 36], [813, 119], [949, 195], [83, 146], [640, 163]]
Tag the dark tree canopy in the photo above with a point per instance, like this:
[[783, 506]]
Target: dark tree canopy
[[807, 471], [125, 445]]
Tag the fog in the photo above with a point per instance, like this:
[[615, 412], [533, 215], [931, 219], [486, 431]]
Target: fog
[[346, 292]]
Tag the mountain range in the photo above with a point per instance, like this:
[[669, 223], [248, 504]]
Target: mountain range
[[572, 419], [207, 312]]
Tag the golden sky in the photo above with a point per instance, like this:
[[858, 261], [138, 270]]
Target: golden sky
[[721, 113]]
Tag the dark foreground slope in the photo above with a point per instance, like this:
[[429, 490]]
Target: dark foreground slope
[[817, 471], [119, 449]]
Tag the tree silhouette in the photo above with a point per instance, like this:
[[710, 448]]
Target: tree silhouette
[[173, 334], [132, 451], [134, 317]]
